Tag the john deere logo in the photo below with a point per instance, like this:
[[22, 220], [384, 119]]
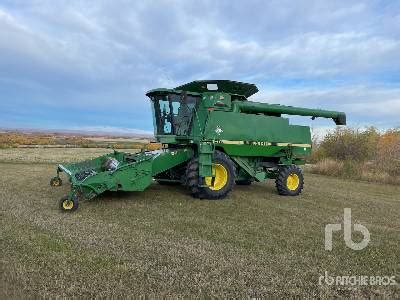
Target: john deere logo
[[218, 130]]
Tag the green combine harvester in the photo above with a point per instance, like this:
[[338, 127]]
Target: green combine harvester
[[212, 138]]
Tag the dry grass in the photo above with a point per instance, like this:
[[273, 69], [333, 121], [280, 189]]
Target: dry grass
[[54, 156], [101, 139], [44, 140], [355, 170], [162, 242], [327, 167]]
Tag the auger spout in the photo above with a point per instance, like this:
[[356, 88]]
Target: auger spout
[[277, 110]]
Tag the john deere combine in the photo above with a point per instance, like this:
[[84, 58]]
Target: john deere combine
[[212, 138]]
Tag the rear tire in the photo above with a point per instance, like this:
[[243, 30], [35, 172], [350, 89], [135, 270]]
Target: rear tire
[[290, 180], [217, 187]]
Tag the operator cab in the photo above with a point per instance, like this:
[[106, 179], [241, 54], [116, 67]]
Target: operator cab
[[173, 112], [174, 109]]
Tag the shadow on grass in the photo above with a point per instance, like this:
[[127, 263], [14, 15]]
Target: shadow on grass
[[166, 196], [153, 193]]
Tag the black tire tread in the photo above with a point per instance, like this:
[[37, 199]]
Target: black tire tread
[[280, 181], [192, 178]]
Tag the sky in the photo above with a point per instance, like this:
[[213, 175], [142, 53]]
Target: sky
[[87, 64]]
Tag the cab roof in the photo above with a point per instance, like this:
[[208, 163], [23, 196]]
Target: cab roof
[[202, 86], [225, 86]]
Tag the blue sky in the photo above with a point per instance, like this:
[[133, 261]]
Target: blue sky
[[87, 64]]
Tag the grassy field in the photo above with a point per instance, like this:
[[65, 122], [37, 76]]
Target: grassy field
[[30, 139], [51, 156], [163, 242]]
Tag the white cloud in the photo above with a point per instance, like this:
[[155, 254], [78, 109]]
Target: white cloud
[[102, 43], [312, 55], [363, 104], [384, 108], [107, 54]]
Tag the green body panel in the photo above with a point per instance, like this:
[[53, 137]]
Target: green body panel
[[166, 159], [258, 128], [205, 153], [260, 150]]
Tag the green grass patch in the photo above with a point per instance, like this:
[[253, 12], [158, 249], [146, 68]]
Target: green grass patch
[[163, 242]]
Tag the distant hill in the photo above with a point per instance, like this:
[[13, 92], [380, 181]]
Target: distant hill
[[114, 132]]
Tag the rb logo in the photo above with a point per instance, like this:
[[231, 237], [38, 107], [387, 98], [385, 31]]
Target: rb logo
[[330, 228]]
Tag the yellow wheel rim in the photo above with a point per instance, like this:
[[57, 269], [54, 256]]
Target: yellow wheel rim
[[68, 204], [220, 179], [292, 182], [55, 182]]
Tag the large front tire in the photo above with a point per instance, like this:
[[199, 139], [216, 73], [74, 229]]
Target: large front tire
[[290, 180], [216, 187]]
